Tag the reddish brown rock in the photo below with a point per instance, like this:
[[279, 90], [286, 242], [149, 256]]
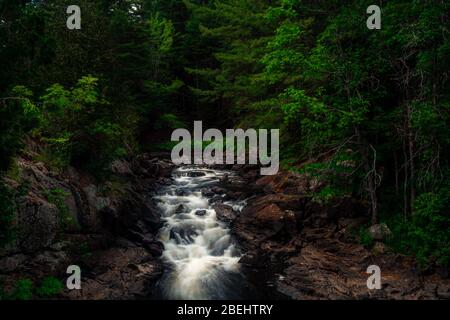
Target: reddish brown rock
[[225, 212], [284, 182]]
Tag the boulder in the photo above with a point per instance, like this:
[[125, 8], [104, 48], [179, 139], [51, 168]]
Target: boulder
[[121, 167], [259, 223], [379, 248], [181, 208], [225, 212], [195, 174], [218, 190], [200, 213], [284, 182], [236, 195], [39, 223], [380, 232], [271, 217]]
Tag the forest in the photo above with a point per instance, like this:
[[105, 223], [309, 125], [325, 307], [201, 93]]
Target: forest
[[365, 112]]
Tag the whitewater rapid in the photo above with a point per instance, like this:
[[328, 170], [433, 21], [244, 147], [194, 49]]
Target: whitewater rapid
[[202, 259]]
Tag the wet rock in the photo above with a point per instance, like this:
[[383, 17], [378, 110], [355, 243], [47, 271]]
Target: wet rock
[[224, 178], [136, 236], [225, 212], [180, 234], [181, 192], [181, 208], [251, 175], [218, 190], [252, 259], [207, 193], [148, 241], [234, 181], [237, 195], [164, 181], [195, 174], [155, 248], [200, 213], [148, 166], [216, 198]]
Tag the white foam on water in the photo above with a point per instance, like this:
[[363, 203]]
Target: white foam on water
[[197, 246]]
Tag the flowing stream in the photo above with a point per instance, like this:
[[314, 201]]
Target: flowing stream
[[201, 257]]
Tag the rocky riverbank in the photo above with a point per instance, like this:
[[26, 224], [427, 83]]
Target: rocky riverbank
[[294, 247], [305, 249], [107, 228]]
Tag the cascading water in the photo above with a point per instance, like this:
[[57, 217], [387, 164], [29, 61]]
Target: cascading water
[[202, 259]]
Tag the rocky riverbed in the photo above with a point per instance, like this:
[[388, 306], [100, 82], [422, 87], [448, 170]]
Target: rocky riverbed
[[305, 249], [288, 246]]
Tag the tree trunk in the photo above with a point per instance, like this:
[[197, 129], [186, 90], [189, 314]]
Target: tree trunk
[[371, 176]]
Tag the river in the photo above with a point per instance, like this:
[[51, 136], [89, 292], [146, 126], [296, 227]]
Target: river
[[201, 258]]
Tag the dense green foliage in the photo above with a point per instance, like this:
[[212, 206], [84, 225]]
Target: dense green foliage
[[365, 111], [49, 287], [97, 89], [25, 289]]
